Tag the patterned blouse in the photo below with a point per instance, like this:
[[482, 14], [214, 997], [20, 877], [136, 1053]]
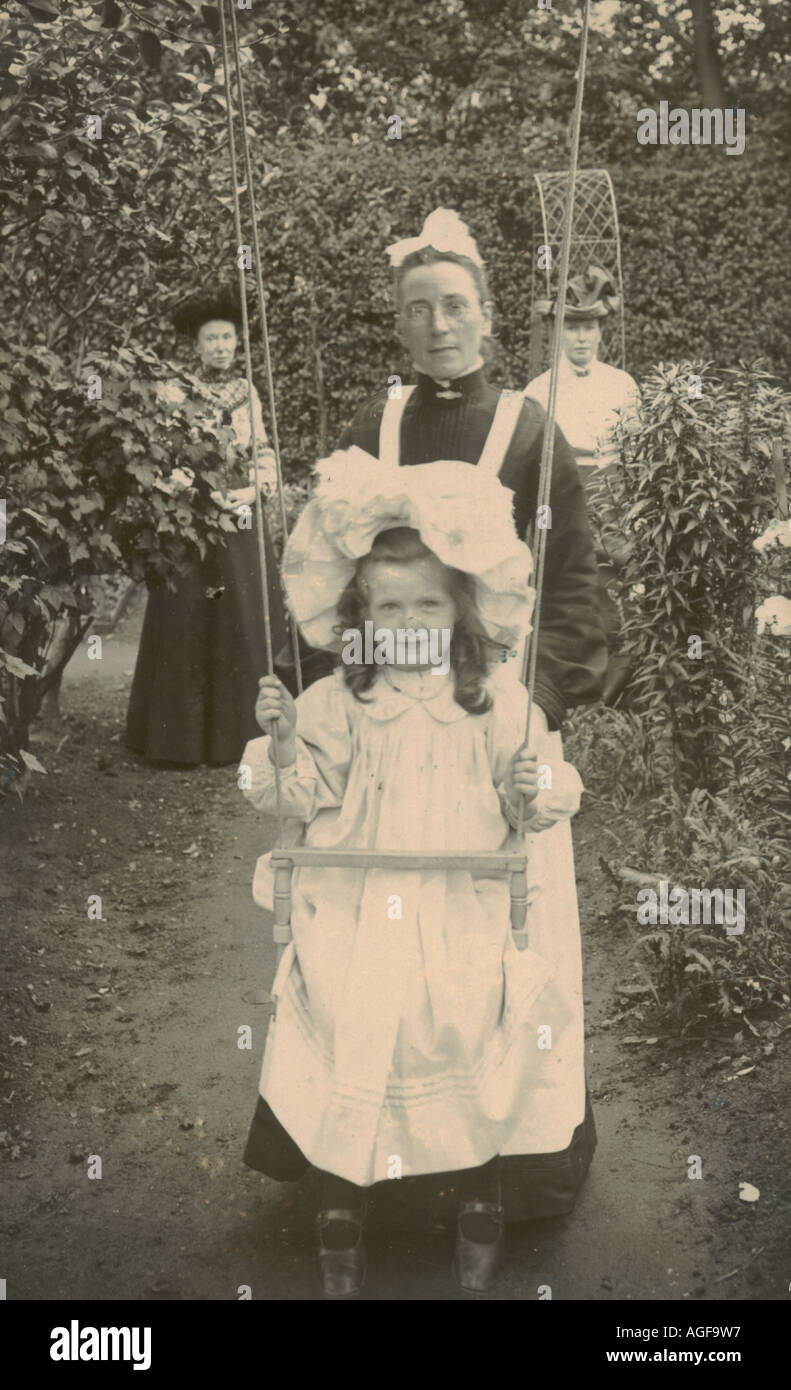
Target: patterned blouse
[[225, 394]]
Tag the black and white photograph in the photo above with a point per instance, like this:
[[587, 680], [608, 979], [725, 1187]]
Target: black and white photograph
[[395, 666]]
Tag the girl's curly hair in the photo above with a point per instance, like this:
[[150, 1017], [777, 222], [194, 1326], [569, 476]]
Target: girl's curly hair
[[471, 650]]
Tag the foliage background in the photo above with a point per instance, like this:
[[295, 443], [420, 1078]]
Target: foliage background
[[103, 236]]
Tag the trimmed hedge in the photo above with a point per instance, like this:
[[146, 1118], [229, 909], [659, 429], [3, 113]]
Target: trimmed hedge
[[700, 236], [704, 242]]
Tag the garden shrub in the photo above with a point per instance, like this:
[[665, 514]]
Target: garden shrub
[[692, 493], [75, 513], [699, 970]]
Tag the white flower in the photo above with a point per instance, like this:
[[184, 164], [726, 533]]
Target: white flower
[[443, 230], [179, 479], [777, 531], [183, 476], [170, 393], [165, 485], [774, 615]]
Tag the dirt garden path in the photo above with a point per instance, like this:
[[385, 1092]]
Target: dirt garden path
[[119, 1039]]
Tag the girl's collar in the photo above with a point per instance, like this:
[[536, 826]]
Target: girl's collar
[[418, 685], [394, 692]]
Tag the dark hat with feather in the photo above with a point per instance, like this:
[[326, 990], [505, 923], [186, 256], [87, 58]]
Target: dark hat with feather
[[588, 296], [190, 315]]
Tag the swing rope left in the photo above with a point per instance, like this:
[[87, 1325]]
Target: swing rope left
[[258, 272]]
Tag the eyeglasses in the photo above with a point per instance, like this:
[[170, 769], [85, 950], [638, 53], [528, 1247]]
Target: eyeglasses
[[454, 310]]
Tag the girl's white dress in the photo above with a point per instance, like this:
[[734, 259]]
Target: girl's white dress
[[411, 1035]]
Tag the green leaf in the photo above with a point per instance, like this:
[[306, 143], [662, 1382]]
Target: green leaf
[[31, 761], [43, 11], [150, 48], [16, 667]]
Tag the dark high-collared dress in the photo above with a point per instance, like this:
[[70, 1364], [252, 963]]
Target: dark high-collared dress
[[202, 648], [441, 422]]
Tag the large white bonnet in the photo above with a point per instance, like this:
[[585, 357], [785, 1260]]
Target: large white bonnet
[[464, 516]]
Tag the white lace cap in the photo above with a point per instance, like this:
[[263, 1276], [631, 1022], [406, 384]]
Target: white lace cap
[[443, 230]]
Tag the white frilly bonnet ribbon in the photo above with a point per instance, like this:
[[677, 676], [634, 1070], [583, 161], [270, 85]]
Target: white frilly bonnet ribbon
[[464, 516], [443, 230]]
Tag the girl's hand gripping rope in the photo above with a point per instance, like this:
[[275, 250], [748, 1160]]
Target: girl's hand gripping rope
[[275, 709], [521, 780]]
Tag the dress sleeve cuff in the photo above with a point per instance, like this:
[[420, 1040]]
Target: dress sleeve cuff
[[512, 815], [303, 765], [259, 773], [267, 470], [552, 805]]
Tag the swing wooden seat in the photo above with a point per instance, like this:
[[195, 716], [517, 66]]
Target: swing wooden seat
[[491, 863]]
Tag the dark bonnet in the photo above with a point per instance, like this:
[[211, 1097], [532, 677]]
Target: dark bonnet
[[190, 316]]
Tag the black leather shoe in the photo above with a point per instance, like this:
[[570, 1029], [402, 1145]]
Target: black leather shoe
[[342, 1271], [476, 1263]]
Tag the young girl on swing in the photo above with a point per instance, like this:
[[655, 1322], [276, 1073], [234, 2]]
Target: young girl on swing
[[408, 1023]]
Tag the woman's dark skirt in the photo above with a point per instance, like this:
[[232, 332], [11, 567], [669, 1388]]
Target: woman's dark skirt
[[619, 664], [202, 652], [534, 1185]]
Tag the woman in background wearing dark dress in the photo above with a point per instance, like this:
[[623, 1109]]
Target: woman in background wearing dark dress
[[202, 649]]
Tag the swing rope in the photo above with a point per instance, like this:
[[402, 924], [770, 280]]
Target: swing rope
[[548, 447], [259, 280], [259, 515]]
